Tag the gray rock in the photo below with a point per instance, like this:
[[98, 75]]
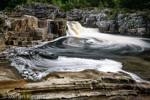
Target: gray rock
[[104, 26], [132, 31], [141, 31], [74, 15], [122, 30], [39, 10]]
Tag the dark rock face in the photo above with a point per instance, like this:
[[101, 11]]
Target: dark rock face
[[58, 27], [40, 10], [136, 24]]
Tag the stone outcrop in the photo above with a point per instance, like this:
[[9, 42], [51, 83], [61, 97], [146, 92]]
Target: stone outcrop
[[24, 31], [135, 24], [107, 20], [74, 15], [88, 83], [4, 25], [28, 31], [39, 10]]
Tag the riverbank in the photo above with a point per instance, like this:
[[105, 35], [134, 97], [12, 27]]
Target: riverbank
[[68, 85]]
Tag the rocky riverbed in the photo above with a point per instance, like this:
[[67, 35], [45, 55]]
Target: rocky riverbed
[[68, 85], [43, 22]]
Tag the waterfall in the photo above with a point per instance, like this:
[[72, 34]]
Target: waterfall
[[107, 41], [49, 28], [82, 48]]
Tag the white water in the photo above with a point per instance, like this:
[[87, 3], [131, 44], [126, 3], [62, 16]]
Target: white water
[[109, 42], [37, 67], [45, 66], [106, 41]]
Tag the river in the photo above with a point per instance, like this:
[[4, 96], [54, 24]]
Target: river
[[82, 48]]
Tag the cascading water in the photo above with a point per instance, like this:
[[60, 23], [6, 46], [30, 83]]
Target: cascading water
[[82, 48], [49, 29]]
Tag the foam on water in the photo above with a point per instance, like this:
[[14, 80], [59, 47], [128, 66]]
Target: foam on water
[[106, 40], [39, 68], [77, 43]]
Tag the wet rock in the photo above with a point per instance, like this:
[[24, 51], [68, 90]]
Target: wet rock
[[137, 65]]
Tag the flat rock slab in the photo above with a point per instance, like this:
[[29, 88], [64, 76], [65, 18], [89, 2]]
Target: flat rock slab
[[88, 83], [9, 76], [68, 85]]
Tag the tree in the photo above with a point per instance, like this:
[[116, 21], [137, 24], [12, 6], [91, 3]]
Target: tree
[[67, 6], [101, 4]]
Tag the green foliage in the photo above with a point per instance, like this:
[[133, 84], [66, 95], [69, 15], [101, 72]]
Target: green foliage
[[57, 3], [70, 4], [106, 4], [124, 14], [8, 8], [101, 4], [30, 2]]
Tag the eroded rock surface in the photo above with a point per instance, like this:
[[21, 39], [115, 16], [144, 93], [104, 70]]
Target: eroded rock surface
[[88, 83]]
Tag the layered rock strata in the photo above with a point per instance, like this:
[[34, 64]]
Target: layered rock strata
[[88, 83], [28, 30]]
